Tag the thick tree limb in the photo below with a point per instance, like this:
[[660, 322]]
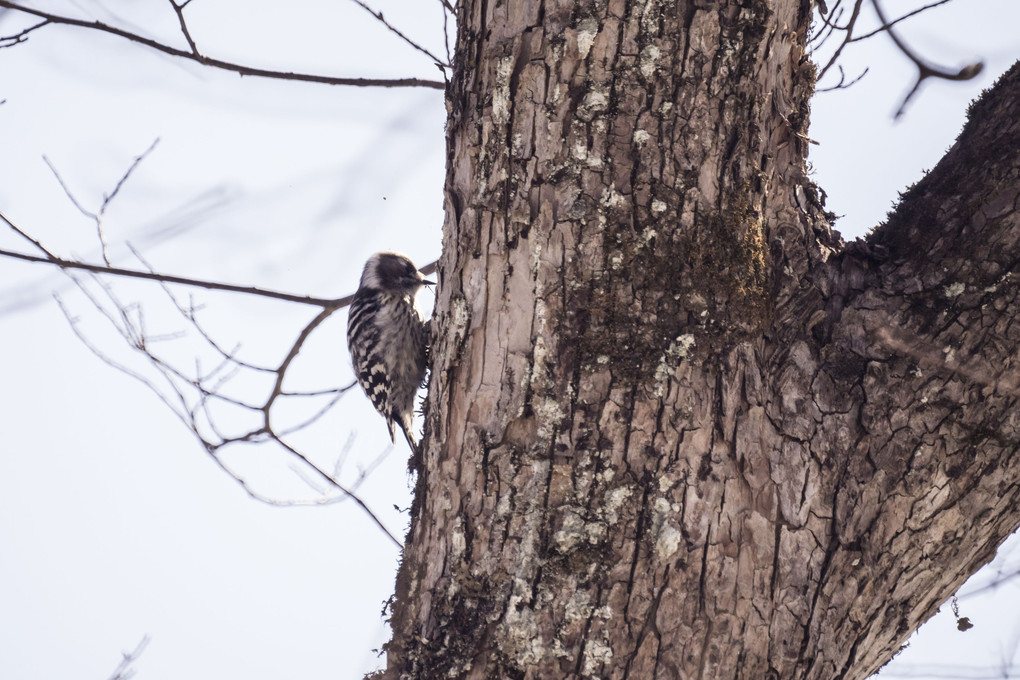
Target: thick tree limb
[[918, 363]]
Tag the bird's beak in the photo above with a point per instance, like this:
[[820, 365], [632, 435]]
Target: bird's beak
[[425, 282]]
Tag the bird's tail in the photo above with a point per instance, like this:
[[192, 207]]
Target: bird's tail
[[411, 441]]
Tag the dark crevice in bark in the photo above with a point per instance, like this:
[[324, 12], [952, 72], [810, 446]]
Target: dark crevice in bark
[[775, 561], [640, 534], [648, 625], [703, 660]]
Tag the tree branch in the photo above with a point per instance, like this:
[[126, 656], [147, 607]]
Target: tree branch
[[918, 347], [849, 27], [123, 671], [887, 26], [179, 11], [843, 84], [21, 36], [50, 18], [379, 17], [924, 70], [137, 338], [191, 397], [97, 217], [179, 280]]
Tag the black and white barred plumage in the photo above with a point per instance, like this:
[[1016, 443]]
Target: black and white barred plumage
[[388, 338]]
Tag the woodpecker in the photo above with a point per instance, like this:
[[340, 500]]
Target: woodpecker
[[388, 339]]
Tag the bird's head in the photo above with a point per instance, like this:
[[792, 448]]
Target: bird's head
[[392, 272]]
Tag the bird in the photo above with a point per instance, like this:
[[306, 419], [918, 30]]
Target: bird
[[387, 337]]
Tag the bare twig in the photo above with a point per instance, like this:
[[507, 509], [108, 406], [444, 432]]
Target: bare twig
[[924, 70], [190, 313], [333, 482], [337, 393], [291, 355], [28, 238], [51, 259], [195, 396], [379, 17], [179, 11], [123, 178], [887, 26], [123, 671], [20, 37], [50, 18], [830, 22], [842, 84], [849, 27], [178, 280], [447, 11], [97, 216], [67, 191], [137, 340], [818, 39], [73, 322]]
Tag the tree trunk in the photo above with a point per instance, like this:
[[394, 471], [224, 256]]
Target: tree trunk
[[675, 428]]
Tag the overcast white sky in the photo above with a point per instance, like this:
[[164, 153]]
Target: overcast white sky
[[114, 523]]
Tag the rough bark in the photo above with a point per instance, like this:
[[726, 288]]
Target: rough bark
[[675, 428]]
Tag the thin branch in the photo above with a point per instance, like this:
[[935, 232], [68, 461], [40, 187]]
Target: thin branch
[[67, 190], [123, 671], [183, 415], [337, 394], [97, 217], [219, 63], [842, 84], [846, 40], [291, 355], [818, 39], [886, 27], [332, 304], [28, 238], [179, 11], [379, 17], [15, 38], [333, 482], [51, 259], [924, 70], [136, 339], [190, 313], [134, 164], [192, 397]]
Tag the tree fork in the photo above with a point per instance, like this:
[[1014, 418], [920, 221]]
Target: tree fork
[[674, 427]]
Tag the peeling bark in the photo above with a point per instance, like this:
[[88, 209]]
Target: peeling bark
[[674, 427]]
